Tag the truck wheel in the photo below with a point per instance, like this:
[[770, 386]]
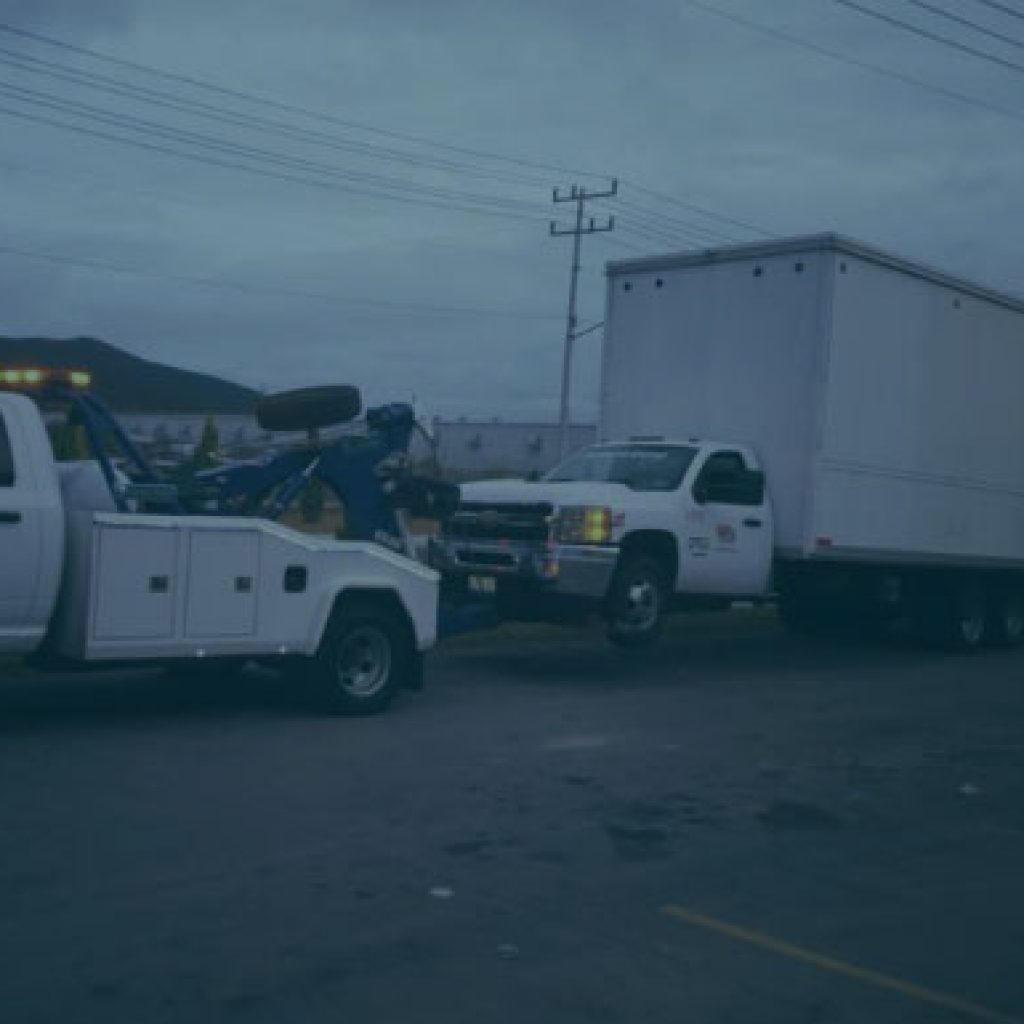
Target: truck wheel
[[802, 613], [366, 654], [636, 602], [955, 616], [1006, 624]]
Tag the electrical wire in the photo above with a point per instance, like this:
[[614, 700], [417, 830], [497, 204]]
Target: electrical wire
[[132, 91], [319, 116], [824, 51], [994, 5], [694, 208], [289, 108], [263, 172], [670, 222], [260, 154], [261, 289], [934, 37], [965, 22]]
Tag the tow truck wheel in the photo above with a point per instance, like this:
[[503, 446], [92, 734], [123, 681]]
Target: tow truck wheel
[[366, 654], [636, 602]]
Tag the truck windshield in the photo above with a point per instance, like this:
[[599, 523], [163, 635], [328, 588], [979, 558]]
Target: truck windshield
[[654, 467]]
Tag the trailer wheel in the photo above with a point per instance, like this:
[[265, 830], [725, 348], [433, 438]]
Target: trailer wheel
[[309, 408], [1007, 619], [801, 613], [636, 602], [366, 654], [954, 616]]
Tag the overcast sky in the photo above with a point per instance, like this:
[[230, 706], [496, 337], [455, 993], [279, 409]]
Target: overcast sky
[[237, 237]]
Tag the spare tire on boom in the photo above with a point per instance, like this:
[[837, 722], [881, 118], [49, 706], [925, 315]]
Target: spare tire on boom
[[309, 408]]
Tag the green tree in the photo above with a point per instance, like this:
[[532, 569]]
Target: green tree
[[69, 442], [205, 454]]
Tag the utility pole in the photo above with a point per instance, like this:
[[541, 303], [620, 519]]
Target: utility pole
[[578, 195]]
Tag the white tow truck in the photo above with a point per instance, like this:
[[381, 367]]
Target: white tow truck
[[869, 468], [85, 584]]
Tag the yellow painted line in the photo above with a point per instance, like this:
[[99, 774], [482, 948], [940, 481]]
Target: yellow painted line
[[827, 963]]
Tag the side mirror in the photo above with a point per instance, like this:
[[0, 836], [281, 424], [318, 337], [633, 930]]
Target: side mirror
[[700, 492]]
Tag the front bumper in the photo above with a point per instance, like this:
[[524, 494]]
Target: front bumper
[[582, 571]]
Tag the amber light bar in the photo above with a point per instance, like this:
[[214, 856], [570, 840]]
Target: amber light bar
[[29, 377]]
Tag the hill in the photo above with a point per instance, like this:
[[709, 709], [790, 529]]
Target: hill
[[127, 383]]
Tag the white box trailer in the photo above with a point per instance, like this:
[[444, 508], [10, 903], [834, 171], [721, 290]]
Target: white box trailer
[[885, 400]]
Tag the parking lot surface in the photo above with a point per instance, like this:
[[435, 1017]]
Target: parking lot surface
[[736, 826]]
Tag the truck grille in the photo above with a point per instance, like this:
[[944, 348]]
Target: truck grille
[[528, 522]]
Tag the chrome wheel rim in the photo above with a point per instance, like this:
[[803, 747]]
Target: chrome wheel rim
[[364, 662], [641, 605]]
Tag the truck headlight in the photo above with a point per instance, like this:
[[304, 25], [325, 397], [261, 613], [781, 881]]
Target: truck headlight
[[584, 524]]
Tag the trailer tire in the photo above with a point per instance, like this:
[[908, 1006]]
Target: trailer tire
[[367, 653], [802, 613], [636, 602], [1006, 624], [953, 615], [309, 408]]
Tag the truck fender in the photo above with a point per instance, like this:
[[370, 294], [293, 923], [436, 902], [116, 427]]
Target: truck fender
[[661, 545], [369, 589]]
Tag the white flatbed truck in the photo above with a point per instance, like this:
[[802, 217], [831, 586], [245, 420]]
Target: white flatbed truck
[[86, 585]]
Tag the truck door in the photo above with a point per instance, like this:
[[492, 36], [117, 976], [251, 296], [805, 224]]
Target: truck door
[[728, 531], [20, 542]]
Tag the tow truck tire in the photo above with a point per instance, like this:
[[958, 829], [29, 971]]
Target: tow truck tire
[[636, 602], [309, 408], [367, 653]]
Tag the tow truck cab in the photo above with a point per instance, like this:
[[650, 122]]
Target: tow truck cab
[[32, 533]]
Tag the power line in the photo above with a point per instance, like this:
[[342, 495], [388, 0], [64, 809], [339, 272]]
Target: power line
[[284, 107], [110, 85], [693, 207], [671, 223], [156, 97], [148, 127], [260, 289], [1002, 8], [366, 148], [663, 238], [263, 172], [824, 51], [934, 37], [966, 22]]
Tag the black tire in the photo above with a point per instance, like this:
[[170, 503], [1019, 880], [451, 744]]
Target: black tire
[[1006, 621], [367, 653], [636, 602], [952, 615], [309, 408], [802, 614]]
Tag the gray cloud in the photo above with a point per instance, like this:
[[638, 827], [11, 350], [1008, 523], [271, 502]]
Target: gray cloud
[[663, 94]]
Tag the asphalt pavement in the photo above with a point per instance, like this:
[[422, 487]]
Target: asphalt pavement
[[738, 826]]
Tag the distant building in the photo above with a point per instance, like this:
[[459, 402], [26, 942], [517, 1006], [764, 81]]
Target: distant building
[[462, 447], [506, 448], [177, 434]]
